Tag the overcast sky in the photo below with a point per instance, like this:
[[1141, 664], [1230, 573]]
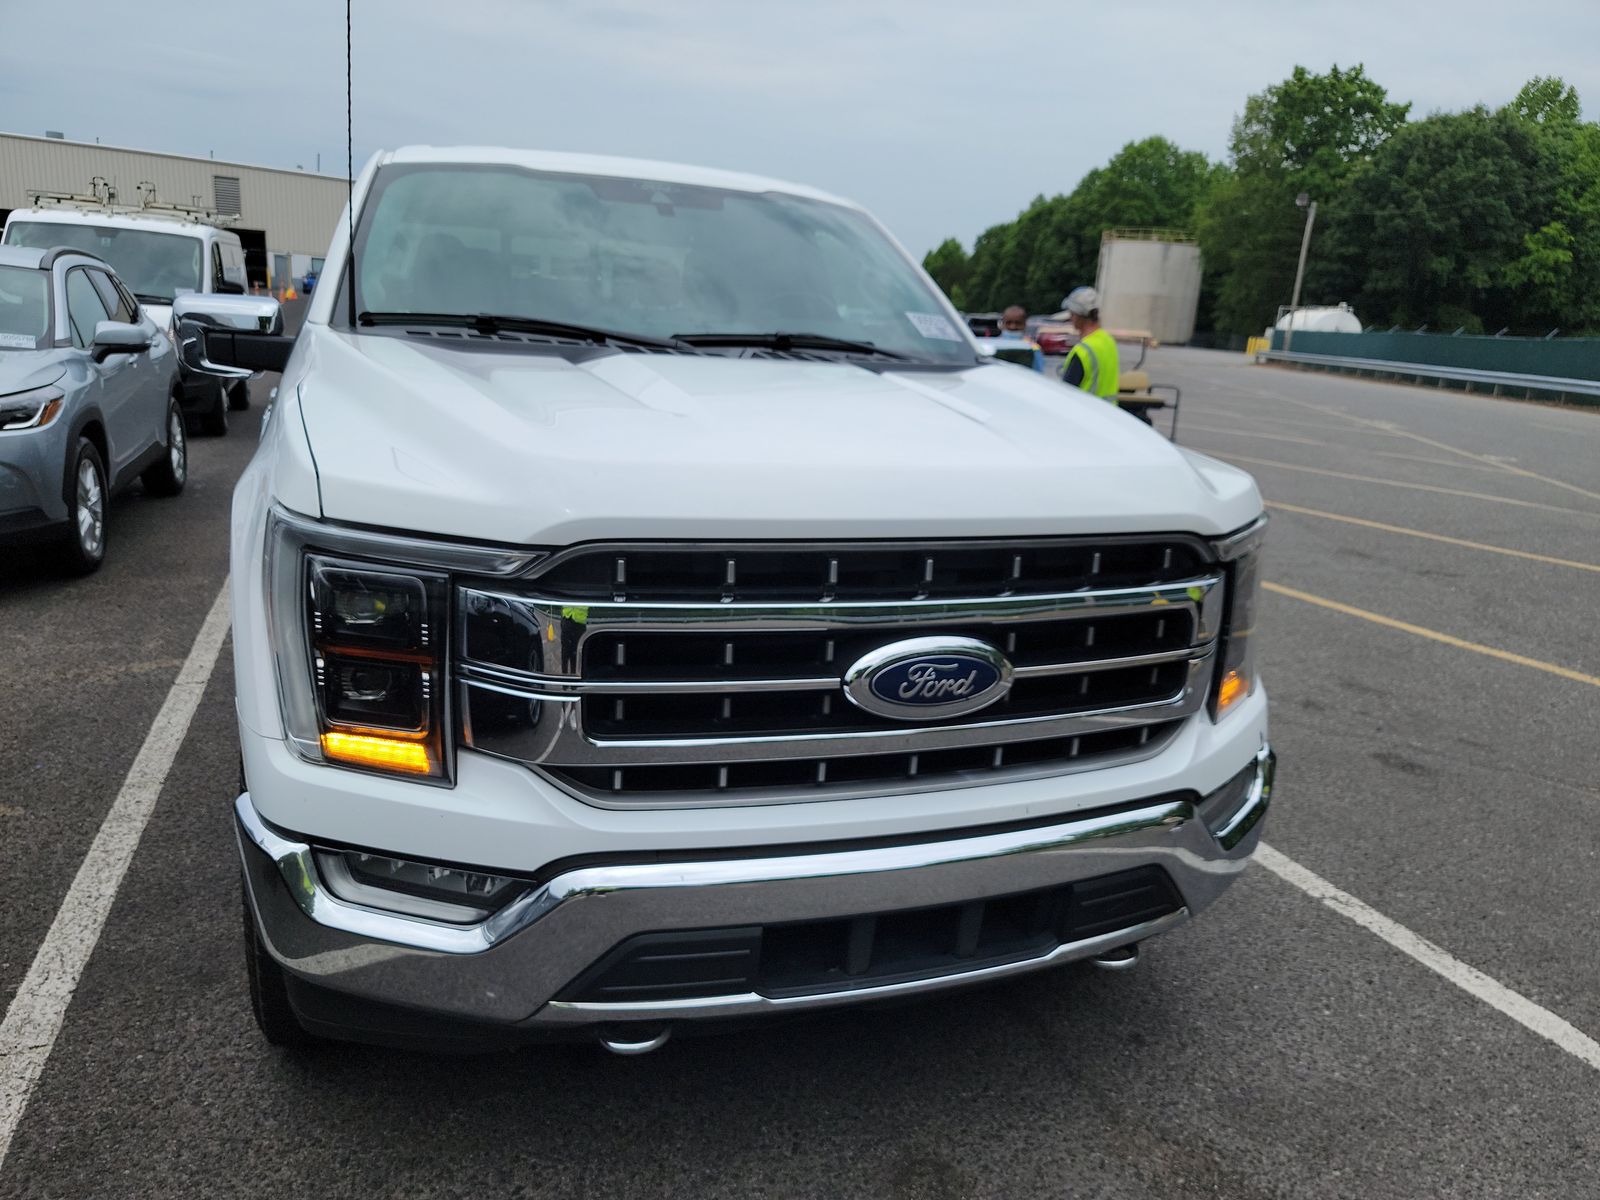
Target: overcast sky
[[944, 118]]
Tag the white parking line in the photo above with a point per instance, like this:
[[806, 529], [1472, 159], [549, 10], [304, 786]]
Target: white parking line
[[37, 1011], [1469, 979]]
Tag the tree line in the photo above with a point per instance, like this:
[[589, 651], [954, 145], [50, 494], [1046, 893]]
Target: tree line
[[1481, 220]]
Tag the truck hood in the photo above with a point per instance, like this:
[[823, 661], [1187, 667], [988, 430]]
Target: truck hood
[[527, 448], [23, 370]]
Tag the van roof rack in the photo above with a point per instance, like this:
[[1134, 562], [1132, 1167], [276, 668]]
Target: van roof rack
[[102, 198]]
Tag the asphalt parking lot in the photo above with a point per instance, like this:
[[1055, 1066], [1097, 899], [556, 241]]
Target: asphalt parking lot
[[1428, 1029]]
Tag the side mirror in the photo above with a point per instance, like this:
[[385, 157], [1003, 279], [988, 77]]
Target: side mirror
[[231, 337], [228, 287], [117, 337]]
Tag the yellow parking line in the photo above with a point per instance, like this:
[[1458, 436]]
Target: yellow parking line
[[1415, 487], [1434, 635], [1435, 537]]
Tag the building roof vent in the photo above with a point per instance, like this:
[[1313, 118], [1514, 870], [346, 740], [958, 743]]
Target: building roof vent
[[225, 194]]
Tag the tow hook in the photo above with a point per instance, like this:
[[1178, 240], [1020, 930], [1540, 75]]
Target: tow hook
[[634, 1041], [1123, 958]]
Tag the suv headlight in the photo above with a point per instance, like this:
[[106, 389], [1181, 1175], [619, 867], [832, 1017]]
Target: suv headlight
[[1235, 677], [33, 409]]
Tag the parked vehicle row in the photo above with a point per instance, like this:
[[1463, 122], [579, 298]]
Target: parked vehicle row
[[90, 401], [160, 254]]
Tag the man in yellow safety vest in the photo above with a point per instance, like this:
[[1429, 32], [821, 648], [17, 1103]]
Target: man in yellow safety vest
[[1092, 363]]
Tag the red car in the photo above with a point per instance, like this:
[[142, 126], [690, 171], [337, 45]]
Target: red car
[[1055, 337]]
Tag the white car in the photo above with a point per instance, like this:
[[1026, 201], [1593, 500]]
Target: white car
[[159, 257], [650, 608]]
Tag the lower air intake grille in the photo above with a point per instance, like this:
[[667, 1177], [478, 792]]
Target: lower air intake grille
[[870, 950]]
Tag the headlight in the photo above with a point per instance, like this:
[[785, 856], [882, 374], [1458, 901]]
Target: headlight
[[360, 650], [1236, 665], [32, 409]]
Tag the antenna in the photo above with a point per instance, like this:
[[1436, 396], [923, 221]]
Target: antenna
[[349, 167]]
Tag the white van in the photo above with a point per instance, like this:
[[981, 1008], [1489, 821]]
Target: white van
[[158, 256]]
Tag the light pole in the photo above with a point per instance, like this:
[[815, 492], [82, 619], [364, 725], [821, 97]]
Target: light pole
[[1306, 202]]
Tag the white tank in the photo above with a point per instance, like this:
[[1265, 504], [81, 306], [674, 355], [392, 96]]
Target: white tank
[[1334, 318], [1149, 281]]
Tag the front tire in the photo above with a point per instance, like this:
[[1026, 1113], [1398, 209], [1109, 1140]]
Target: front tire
[[214, 420], [167, 477], [269, 995], [83, 548]]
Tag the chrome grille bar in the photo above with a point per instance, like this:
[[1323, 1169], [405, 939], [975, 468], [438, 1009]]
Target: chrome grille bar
[[557, 738], [559, 688], [543, 618]]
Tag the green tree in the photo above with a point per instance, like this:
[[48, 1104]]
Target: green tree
[[948, 264], [1547, 100], [1309, 134], [1455, 223], [1558, 273], [1054, 244]]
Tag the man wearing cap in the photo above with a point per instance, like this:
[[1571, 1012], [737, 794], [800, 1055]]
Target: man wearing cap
[[1091, 364]]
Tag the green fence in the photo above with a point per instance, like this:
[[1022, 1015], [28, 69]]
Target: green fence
[[1567, 358]]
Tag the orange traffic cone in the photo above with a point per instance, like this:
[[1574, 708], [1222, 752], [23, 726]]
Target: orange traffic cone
[[289, 293]]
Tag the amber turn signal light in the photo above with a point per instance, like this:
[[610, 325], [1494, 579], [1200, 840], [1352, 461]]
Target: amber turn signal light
[[1233, 689], [379, 753]]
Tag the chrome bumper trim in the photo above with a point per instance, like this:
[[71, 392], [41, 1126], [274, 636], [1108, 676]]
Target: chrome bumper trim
[[1249, 813], [508, 968]]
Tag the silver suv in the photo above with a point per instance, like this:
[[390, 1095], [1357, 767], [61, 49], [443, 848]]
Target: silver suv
[[89, 401]]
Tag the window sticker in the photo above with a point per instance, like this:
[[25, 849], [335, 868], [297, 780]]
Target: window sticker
[[932, 325], [17, 341]]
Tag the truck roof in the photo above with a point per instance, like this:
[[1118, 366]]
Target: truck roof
[[94, 216], [599, 164]]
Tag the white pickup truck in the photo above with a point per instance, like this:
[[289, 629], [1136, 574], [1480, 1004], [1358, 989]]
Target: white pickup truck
[[650, 609]]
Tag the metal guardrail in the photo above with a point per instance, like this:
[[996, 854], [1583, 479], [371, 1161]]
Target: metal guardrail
[[1560, 385]]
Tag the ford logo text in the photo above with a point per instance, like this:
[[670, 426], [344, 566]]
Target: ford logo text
[[930, 677]]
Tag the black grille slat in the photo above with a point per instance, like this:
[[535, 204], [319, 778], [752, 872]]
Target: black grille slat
[[868, 572]]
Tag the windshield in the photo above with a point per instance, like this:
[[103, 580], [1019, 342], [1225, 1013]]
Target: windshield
[[24, 308], [656, 259], [155, 266]]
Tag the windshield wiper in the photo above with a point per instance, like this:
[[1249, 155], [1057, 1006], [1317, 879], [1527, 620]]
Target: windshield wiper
[[787, 341], [151, 298], [493, 323]]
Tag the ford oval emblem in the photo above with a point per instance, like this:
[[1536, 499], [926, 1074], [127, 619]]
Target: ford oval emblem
[[927, 678]]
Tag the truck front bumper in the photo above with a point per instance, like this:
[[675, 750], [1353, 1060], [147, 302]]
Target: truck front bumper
[[520, 971]]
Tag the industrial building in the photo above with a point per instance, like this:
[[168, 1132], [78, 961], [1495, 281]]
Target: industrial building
[[284, 218]]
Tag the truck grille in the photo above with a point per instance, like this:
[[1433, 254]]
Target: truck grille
[[677, 676]]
